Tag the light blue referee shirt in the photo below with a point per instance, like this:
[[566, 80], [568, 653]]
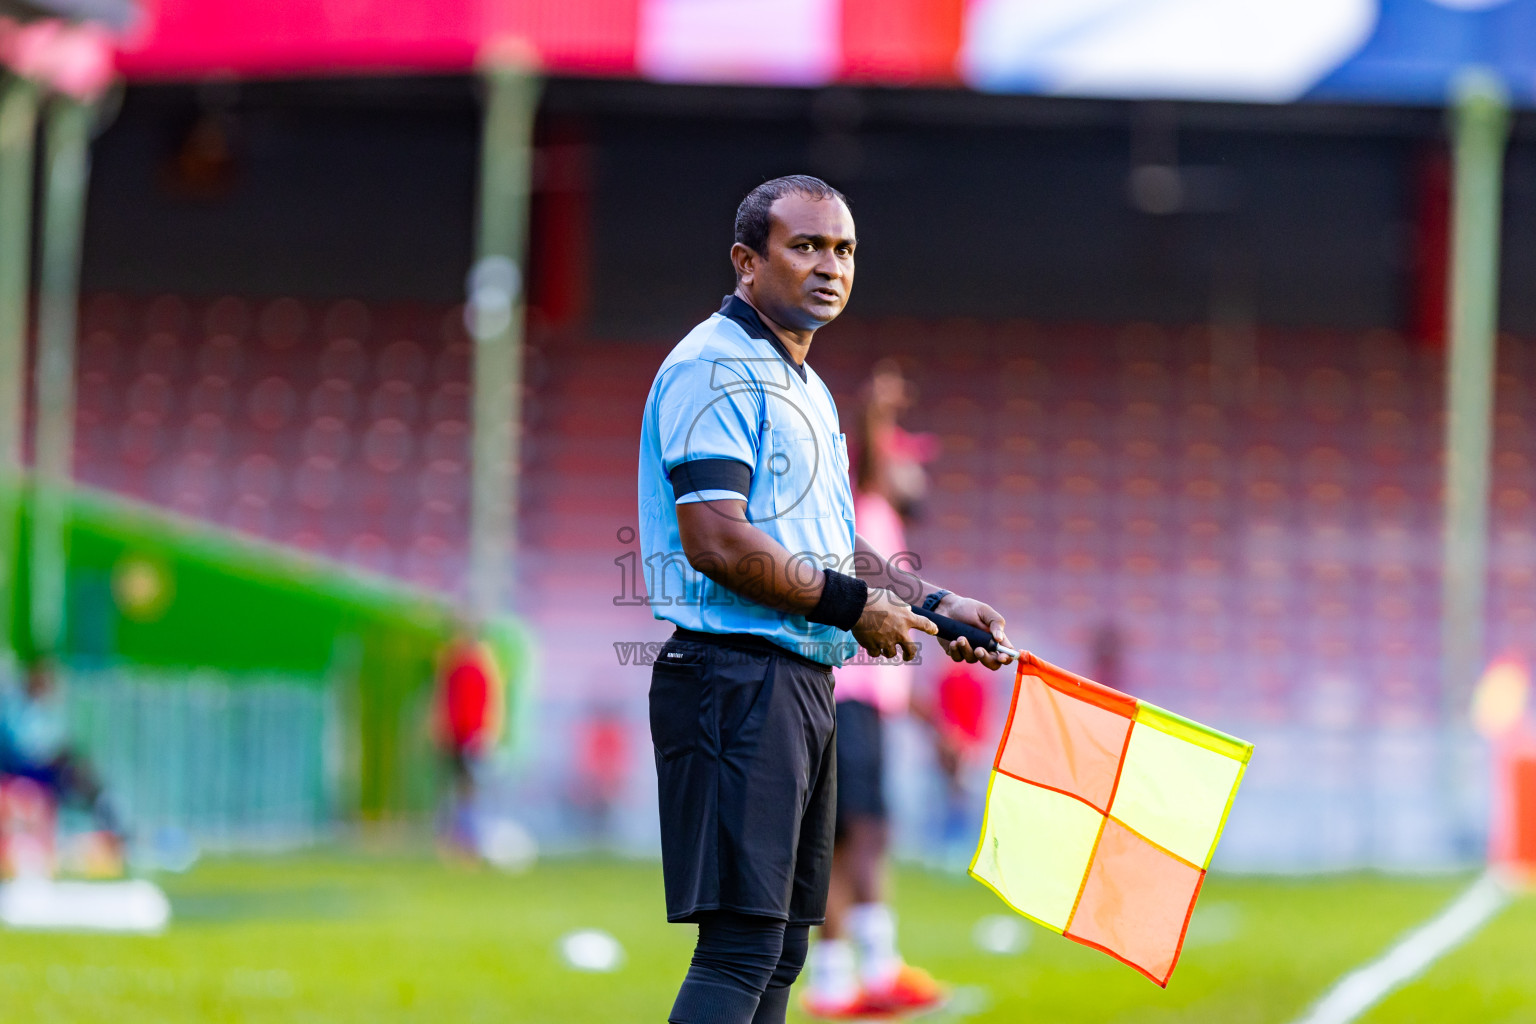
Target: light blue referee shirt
[[731, 415]]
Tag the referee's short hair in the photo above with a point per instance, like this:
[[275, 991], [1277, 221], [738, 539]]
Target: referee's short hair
[[752, 214]]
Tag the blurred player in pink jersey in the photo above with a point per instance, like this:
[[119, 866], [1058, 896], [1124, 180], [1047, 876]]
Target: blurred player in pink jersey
[[856, 969]]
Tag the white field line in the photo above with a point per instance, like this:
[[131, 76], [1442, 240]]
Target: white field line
[[1366, 986]]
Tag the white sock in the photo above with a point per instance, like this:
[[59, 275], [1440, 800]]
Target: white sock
[[831, 968], [872, 927]]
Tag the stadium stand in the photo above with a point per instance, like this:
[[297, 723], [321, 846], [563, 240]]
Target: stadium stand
[[341, 430], [1235, 501]]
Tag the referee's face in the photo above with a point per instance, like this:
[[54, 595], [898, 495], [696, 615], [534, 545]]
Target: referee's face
[[804, 279]]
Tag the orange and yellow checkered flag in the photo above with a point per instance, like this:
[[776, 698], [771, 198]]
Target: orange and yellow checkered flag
[[1103, 814]]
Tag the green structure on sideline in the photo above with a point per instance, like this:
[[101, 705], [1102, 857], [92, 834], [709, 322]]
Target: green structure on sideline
[[244, 689]]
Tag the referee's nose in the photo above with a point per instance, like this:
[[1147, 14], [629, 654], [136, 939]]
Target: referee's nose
[[829, 266]]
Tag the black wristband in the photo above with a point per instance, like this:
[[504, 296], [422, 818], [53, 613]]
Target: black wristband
[[842, 600], [931, 602]]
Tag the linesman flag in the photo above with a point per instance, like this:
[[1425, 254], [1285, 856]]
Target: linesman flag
[[1103, 813]]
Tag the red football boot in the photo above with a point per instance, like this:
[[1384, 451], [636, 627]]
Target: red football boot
[[857, 1008], [913, 990]]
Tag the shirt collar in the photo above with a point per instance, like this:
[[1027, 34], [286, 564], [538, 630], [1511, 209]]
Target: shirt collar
[[736, 308]]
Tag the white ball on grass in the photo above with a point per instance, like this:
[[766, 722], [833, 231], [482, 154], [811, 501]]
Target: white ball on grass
[[1001, 934], [507, 845], [591, 949]]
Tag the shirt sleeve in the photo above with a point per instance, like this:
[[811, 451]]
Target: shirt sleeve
[[708, 416]]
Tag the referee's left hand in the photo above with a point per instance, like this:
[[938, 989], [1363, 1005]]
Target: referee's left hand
[[975, 613]]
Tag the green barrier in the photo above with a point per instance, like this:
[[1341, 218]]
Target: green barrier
[[236, 761], [152, 591]]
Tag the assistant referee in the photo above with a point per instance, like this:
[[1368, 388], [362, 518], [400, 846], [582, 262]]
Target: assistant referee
[[746, 524]]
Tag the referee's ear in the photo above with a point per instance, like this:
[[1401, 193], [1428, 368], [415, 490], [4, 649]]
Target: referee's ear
[[744, 260]]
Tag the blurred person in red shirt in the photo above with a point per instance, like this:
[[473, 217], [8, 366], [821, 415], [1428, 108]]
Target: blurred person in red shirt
[[958, 710], [468, 712], [603, 760]]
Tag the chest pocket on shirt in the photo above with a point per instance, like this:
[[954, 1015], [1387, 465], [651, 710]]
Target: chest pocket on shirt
[[796, 465]]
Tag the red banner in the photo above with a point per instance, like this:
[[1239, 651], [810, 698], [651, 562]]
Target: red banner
[[197, 38], [763, 41]]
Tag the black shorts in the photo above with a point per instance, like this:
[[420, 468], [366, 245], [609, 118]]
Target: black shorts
[[860, 763], [746, 770]]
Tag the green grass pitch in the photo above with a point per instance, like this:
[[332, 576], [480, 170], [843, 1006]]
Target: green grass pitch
[[337, 938]]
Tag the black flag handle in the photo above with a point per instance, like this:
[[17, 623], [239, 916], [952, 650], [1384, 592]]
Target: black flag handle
[[952, 629]]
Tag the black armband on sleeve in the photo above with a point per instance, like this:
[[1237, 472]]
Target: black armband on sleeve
[[711, 475], [842, 600]]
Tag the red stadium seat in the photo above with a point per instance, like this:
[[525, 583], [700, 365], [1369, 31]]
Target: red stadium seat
[[394, 399], [344, 358], [402, 360], [229, 314], [221, 357], [168, 313], [453, 364], [317, 483], [333, 398], [327, 438], [206, 435], [387, 445], [272, 404], [348, 318]]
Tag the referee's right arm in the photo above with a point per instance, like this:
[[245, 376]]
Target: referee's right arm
[[721, 543]]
